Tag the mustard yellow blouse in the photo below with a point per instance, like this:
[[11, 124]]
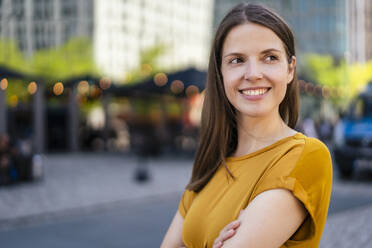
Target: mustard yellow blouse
[[300, 164]]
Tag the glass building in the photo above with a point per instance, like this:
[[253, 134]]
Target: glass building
[[319, 26], [124, 28], [37, 24]]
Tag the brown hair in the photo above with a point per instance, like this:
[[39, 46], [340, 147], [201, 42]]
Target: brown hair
[[219, 135]]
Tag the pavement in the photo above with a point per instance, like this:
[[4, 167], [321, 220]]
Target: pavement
[[76, 184], [89, 182]]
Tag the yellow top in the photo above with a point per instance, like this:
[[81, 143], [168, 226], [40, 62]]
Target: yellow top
[[300, 164]]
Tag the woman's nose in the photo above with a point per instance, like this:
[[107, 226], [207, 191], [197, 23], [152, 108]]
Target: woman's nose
[[253, 71]]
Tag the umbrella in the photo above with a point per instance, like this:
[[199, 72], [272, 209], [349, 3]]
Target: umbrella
[[180, 84], [10, 73]]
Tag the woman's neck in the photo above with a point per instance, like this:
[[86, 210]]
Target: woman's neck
[[256, 133]]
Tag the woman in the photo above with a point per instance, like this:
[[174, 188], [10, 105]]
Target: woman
[[250, 157]]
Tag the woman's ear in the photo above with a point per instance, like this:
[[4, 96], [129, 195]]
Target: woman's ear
[[291, 68]]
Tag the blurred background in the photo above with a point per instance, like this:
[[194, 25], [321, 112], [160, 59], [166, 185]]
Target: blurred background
[[100, 104]]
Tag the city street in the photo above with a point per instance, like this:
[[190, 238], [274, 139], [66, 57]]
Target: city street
[[91, 200], [88, 89]]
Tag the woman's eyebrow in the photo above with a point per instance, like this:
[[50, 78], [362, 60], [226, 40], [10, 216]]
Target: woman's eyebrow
[[271, 50], [233, 54], [262, 52]]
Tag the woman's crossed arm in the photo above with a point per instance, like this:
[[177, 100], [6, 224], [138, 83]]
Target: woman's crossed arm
[[268, 221]]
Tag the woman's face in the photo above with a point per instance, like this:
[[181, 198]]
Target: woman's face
[[255, 70]]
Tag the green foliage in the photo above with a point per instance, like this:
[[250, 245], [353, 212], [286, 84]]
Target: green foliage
[[151, 54], [359, 76], [348, 79], [12, 57], [16, 90], [71, 59], [148, 64], [323, 70]]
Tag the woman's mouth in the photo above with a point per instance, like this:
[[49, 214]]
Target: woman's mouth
[[254, 93]]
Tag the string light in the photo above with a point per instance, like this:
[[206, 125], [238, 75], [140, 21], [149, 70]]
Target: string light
[[192, 90], [105, 83], [32, 88], [4, 84], [58, 88], [160, 79], [83, 87], [177, 86]]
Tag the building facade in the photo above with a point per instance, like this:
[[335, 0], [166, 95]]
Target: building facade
[[37, 24], [359, 29], [124, 28], [319, 26]]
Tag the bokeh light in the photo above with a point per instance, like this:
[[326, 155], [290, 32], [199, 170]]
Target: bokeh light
[[105, 83], [13, 101], [94, 91], [309, 89], [32, 88], [83, 87], [58, 88], [192, 90], [146, 69], [325, 92], [4, 84], [177, 86], [160, 79]]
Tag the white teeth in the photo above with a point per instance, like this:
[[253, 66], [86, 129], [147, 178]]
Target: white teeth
[[255, 92]]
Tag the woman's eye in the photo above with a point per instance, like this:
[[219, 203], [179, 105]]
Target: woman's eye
[[236, 61], [271, 58]]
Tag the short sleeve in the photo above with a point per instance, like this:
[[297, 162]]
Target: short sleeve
[[307, 172], [185, 202]]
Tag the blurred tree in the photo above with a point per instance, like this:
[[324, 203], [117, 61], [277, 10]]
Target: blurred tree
[[16, 92], [148, 64], [348, 79], [359, 76], [323, 70], [12, 57], [73, 58]]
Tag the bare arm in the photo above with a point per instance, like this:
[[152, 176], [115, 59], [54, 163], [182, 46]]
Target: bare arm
[[173, 237], [269, 220]]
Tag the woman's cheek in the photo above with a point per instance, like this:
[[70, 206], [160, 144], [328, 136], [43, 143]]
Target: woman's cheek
[[274, 71], [231, 79]]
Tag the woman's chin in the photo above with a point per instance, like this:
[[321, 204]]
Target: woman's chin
[[253, 114]]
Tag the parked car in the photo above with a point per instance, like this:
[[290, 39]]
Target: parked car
[[353, 135]]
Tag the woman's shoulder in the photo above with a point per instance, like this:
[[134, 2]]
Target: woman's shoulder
[[315, 156], [313, 146]]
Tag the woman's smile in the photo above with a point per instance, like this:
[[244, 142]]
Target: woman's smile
[[254, 94]]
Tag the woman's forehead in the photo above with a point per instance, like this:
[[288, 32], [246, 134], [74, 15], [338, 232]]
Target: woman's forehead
[[252, 38]]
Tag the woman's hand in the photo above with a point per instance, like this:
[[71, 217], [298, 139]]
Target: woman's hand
[[227, 232]]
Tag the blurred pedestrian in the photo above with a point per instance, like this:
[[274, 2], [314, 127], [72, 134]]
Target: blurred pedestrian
[[325, 130], [309, 128], [256, 182], [6, 166]]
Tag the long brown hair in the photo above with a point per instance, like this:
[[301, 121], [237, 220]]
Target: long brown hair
[[219, 137]]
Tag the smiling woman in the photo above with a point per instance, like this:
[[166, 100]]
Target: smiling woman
[[256, 182], [254, 67]]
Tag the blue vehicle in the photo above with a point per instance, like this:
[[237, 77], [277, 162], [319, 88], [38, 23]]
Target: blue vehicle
[[353, 135]]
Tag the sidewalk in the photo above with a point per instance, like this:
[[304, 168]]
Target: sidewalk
[[350, 228], [77, 181]]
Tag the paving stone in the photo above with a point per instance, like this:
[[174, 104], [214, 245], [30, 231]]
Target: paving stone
[[81, 180]]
